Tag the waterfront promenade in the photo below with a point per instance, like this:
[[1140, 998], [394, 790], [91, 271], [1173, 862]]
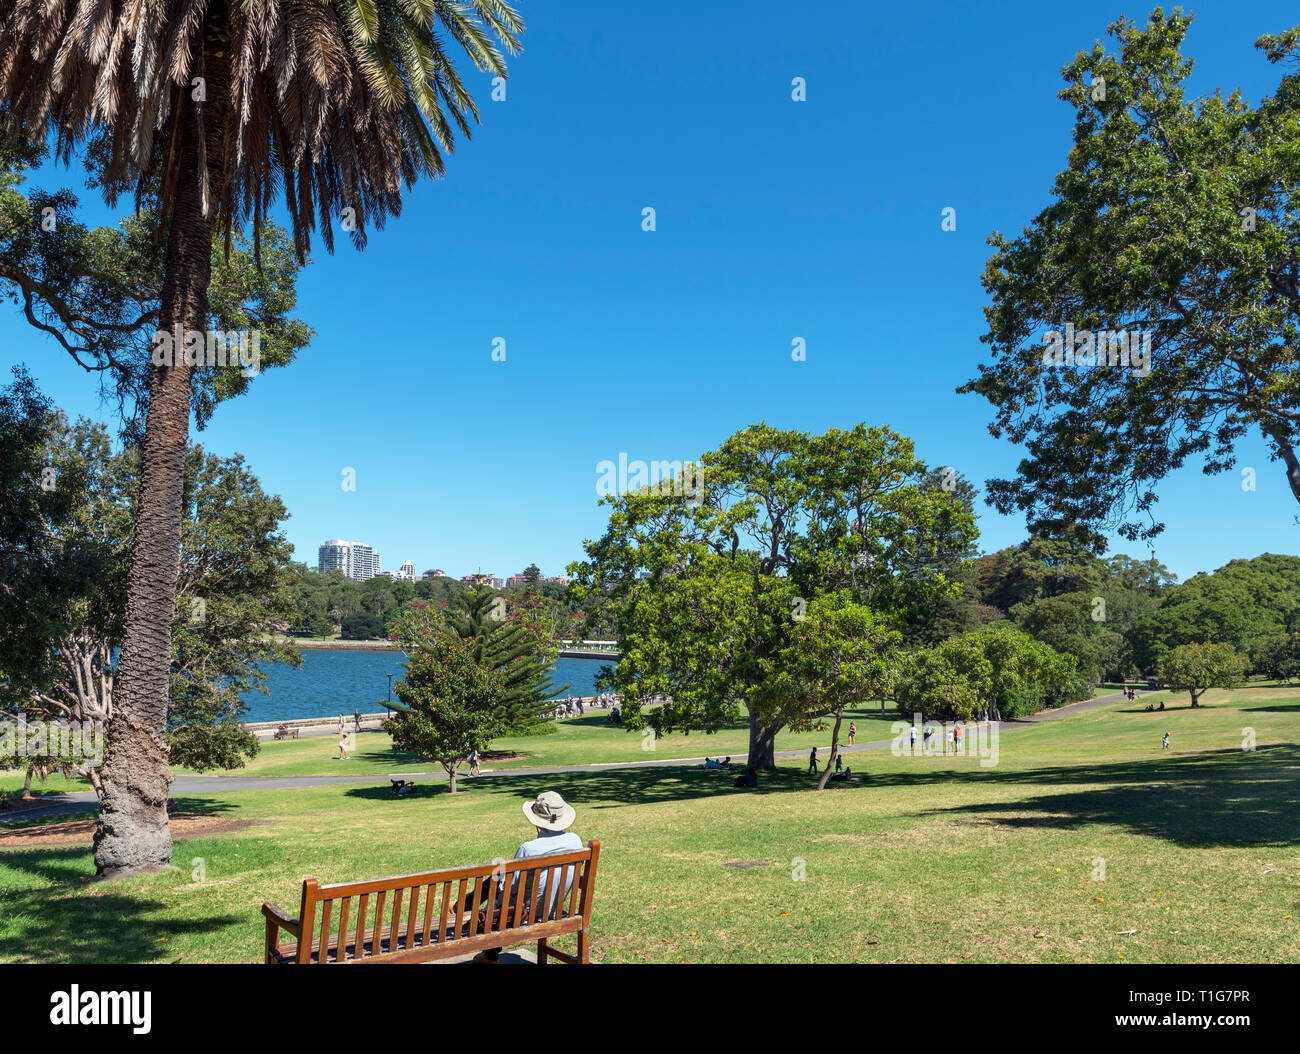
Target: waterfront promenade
[[311, 643]]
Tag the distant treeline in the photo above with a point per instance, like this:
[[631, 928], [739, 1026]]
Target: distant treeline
[[1118, 616], [330, 605]]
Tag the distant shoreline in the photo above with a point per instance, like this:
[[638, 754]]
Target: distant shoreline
[[383, 645], [342, 645]]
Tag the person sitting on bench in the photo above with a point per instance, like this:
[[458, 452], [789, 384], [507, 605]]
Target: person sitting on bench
[[552, 816]]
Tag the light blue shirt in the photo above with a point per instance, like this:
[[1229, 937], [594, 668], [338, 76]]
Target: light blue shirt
[[543, 845]]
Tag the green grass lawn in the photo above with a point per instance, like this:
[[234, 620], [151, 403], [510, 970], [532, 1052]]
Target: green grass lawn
[[575, 741], [928, 859]]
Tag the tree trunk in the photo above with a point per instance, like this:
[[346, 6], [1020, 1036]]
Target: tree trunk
[[762, 744], [835, 749], [451, 774], [132, 833], [27, 783]]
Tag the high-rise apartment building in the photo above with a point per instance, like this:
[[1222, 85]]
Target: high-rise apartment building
[[355, 559]]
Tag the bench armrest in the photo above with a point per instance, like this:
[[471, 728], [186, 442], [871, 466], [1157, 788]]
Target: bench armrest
[[276, 914]]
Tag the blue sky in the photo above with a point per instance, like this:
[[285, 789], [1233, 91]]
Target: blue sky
[[775, 220]]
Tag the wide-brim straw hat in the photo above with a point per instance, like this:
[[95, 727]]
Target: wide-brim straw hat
[[550, 812]]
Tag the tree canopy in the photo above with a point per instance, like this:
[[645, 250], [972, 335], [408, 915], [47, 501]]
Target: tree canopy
[[1167, 257], [709, 592]]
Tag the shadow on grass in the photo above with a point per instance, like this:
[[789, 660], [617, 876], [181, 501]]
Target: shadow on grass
[[65, 924], [192, 806], [1223, 798], [1226, 798], [610, 788]]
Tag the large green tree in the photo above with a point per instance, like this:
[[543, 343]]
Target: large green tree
[[996, 671], [1245, 604], [450, 703], [1196, 668], [1174, 221], [708, 589], [233, 594], [216, 109]]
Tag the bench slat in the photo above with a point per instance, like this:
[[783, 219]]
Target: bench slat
[[411, 914], [327, 909], [377, 926], [363, 902], [446, 906], [341, 953]]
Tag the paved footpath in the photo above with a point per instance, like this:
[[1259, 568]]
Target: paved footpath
[[78, 801]]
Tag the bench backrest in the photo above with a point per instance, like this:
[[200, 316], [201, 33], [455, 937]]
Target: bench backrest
[[396, 917]]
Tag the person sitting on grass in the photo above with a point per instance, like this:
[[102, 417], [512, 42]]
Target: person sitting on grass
[[552, 816], [725, 764], [845, 777]]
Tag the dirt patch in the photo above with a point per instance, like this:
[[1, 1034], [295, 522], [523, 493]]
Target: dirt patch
[[502, 755], [82, 832]]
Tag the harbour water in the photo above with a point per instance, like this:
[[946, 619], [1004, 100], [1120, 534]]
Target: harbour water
[[338, 680]]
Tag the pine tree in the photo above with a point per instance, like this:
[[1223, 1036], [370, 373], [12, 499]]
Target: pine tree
[[502, 640]]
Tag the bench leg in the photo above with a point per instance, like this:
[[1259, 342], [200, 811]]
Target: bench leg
[[583, 956], [272, 935], [541, 952]]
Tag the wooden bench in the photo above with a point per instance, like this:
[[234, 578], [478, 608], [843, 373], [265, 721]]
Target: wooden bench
[[286, 733], [439, 914]]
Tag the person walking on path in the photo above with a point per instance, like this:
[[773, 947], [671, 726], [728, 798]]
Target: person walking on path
[[956, 736], [342, 727], [853, 732], [356, 719], [812, 762], [473, 763], [913, 737]]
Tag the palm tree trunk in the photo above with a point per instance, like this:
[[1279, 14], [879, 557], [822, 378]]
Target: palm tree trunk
[[132, 832]]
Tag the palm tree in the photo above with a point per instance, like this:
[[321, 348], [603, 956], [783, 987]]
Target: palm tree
[[217, 106]]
